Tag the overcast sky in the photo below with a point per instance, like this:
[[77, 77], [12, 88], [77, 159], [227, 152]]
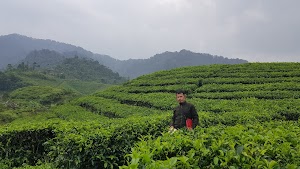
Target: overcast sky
[[255, 30]]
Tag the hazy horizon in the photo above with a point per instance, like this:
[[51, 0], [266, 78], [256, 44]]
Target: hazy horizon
[[257, 31]]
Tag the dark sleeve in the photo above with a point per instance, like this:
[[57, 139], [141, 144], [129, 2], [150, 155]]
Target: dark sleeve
[[173, 118], [194, 116]]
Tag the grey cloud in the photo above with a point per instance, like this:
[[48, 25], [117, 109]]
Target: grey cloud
[[257, 30]]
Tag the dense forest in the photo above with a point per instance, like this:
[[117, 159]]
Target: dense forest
[[87, 70], [9, 82], [69, 68]]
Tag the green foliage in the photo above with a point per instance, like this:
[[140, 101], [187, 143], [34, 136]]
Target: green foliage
[[22, 67], [42, 166], [70, 112], [7, 116], [29, 101], [9, 82], [89, 144], [2, 107], [87, 70], [42, 94], [13, 79], [23, 143], [261, 145], [161, 101], [249, 118], [83, 87], [113, 108]]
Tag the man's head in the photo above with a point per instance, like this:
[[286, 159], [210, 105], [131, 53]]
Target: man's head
[[180, 96]]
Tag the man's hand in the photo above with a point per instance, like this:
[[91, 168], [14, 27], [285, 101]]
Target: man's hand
[[172, 129]]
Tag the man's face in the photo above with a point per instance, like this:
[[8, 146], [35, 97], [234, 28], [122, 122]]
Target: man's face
[[180, 97]]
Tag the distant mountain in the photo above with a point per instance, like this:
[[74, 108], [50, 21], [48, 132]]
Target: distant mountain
[[169, 60], [70, 67], [14, 48]]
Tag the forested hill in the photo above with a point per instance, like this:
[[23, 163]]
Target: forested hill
[[14, 48], [71, 67], [82, 75], [44, 58], [87, 70], [169, 60]]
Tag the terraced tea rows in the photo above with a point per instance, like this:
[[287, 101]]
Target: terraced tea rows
[[240, 108]]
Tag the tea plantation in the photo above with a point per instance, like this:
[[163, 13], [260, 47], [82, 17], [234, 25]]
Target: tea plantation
[[249, 118]]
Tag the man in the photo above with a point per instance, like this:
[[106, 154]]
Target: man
[[184, 114]]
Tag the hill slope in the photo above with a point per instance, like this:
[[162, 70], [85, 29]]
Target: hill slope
[[27, 93], [169, 60], [43, 58], [87, 70], [249, 117], [14, 48]]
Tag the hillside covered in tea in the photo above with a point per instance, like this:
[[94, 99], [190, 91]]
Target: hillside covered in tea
[[249, 118]]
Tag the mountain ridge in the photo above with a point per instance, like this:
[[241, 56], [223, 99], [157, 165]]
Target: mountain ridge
[[15, 47]]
